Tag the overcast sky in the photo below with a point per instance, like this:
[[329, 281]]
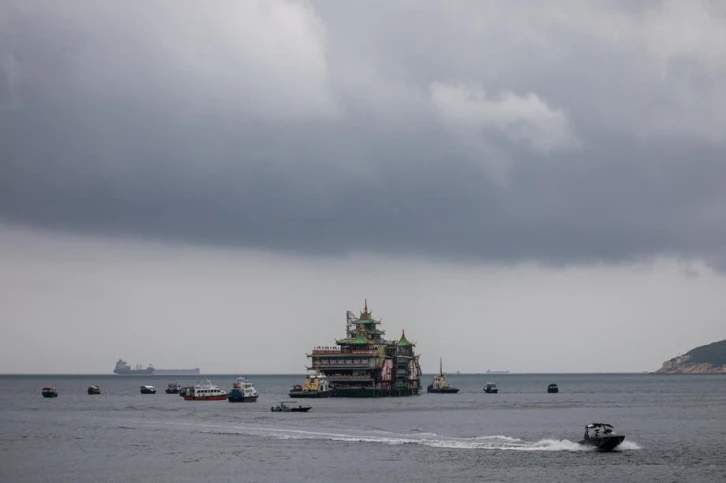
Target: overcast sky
[[503, 180]]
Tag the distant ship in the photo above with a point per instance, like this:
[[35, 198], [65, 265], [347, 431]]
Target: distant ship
[[123, 369], [497, 372]]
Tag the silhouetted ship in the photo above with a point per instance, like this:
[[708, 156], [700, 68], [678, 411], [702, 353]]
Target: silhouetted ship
[[123, 369]]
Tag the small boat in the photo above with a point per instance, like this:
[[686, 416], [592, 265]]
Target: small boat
[[602, 441], [49, 392], [173, 388], [242, 391], [205, 391], [440, 385], [316, 385], [289, 407], [148, 390], [552, 388], [491, 388], [94, 390], [185, 390]]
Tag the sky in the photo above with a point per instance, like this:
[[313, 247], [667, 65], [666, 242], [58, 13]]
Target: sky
[[526, 186]]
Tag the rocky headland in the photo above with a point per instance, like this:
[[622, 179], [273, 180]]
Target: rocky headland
[[706, 359]]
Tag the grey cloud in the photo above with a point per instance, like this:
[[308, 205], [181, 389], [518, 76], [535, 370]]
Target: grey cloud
[[318, 134]]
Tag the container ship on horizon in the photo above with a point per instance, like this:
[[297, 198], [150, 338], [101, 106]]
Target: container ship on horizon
[[123, 369]]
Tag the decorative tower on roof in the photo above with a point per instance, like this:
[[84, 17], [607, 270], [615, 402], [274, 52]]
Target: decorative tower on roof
[[365, 364]]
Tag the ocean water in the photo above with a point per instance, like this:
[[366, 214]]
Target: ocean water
[[675, 428]]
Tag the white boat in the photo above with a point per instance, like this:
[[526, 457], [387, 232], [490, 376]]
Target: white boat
[[242, 391], [148, 390], [205, 391]]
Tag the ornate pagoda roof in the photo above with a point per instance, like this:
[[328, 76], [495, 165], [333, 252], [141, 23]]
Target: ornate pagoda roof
[[359, 339], [403, 341]]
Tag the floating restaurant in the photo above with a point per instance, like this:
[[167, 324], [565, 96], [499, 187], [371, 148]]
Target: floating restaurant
[[364, 364]]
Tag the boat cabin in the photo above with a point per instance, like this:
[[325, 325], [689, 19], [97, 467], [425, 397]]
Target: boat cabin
[[598, 429]]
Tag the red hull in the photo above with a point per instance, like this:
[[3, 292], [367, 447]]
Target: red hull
[[216, 397]]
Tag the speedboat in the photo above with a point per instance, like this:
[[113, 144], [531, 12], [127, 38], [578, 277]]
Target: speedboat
[[552, 388], [491, 388], [94, 390], [173, 388], [242, 391], [49, 392], [602, 437], [148, 390], [205, 391], [440, 385], [289, 407]]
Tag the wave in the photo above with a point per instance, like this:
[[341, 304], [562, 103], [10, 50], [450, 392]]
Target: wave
[[484, 442]]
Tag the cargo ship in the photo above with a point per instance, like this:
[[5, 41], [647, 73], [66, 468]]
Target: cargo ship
[[123, 369], [364, 364]]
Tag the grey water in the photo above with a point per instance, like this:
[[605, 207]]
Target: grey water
[[674, 428]]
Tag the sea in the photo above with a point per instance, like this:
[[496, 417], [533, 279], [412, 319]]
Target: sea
[[674, 427]]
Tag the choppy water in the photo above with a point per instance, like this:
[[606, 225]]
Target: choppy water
[[674, 427]]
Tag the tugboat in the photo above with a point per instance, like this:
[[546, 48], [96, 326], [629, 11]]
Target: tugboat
[[366, 364], [440, 385], [491, 388], [242, 391], [49, 392], [552, 388], [288, 407], [148, 390], [316, 385], [605, 441], [205, 391], [173, 388]]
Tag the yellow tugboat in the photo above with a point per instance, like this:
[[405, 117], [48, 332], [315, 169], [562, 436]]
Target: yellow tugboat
[[440, 385]]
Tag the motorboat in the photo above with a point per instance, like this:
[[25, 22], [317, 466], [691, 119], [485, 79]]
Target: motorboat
[[94, 390], [316, 385], [552, 388], [49, 392], [602, 437], [185, 390], [289, 407], [242, 391], [173, 388], [205, 391], [491, 388], [148, 390], [440, 385]]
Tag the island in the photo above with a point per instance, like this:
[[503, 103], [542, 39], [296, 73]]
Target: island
[[706, 359]]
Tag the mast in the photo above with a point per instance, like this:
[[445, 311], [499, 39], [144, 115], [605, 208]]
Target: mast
[[441, 367]]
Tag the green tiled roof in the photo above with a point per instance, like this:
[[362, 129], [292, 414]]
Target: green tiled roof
[[403, 340]]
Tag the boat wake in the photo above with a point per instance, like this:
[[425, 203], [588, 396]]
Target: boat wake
[[433, 440]]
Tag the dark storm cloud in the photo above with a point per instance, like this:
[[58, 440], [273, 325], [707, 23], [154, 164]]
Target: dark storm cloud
[[458, 131]]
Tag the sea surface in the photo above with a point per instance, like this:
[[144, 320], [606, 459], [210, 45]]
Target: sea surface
[[675, 428]]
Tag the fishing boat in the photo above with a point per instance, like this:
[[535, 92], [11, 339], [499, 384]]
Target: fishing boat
[[148, 390], [242, 391], [49, 392], [602, 437], [553, 388], [316, 385], [94, 390], [289, 407], [173, 388], [491, 388], [205, 391], [439, 384]]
